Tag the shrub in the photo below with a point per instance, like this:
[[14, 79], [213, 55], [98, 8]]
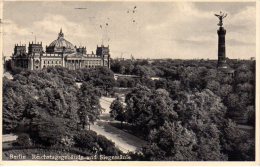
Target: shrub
[[108, 147], [23, 140], [89, 140]]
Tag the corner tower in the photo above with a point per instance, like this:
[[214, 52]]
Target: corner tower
[[103, 52]]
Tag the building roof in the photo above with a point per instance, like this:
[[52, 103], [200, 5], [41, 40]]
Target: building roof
[[61, 44]]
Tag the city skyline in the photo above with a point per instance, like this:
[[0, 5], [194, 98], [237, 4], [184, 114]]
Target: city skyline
[[142, 29]]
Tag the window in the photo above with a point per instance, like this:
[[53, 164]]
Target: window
[[37, 62]]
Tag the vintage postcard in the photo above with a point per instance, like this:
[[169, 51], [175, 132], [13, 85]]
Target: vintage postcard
[[150, 82]]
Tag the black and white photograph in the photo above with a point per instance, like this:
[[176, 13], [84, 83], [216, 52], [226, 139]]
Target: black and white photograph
[[166, 81]]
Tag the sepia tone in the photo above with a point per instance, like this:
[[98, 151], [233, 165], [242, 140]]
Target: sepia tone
[[145, 102]]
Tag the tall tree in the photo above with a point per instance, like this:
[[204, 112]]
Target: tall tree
[[117, 110], [89, 107], [148, 109], [171, 142]]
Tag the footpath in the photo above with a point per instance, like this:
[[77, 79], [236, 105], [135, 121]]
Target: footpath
[[124, 141]]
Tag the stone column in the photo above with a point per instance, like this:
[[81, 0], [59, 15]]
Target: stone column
[[221, 48], [32, 63]]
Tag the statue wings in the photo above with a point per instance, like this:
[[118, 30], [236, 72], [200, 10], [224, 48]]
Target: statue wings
[[221, 15]]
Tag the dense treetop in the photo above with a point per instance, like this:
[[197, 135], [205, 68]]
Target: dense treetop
[[191, 113], [188, 113]]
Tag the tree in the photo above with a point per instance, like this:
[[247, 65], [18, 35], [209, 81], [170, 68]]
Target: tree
[[108, 147], [250, 110], [14, 104], [143, 71], [204, 114], [238, 144], [122, 82], [214, 86], [204, 105], [97, 144], [49, 131], [224, 91], [89, 107], [161, 109], [32, 94], [117, 111], [101, 77], [86, 140], [23, 140], [174, 88], [171, 142], [137, 105], [148, 109], [190, 77]]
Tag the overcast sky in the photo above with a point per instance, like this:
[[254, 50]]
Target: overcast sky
[[153, 30]]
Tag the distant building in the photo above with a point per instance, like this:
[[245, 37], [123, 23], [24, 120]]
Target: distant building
[[155, 78], [252, 58], [116, 76], [59, 53]]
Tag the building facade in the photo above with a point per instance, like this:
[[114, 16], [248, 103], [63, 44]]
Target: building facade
[[59, 53]]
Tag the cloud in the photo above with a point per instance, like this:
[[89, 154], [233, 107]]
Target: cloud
[[46, 30], [73, 31], [160, 30], [10, 28], [239, 42], [13, 34], [246, 16], [195, 32]]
